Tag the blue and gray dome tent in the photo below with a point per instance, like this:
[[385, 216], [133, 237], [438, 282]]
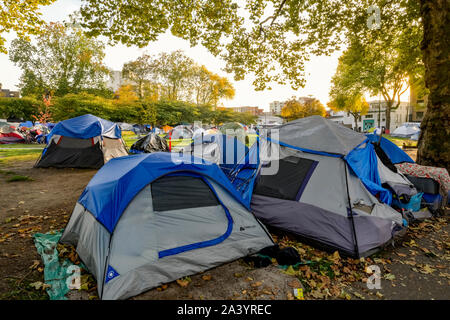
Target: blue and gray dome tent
[[86, 141], [324, 182], [149, 219]]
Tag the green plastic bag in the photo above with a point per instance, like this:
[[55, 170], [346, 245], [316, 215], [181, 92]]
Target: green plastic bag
[[56, 274]]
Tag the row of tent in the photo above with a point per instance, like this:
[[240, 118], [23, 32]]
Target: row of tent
[[151, 218], [25, 132]]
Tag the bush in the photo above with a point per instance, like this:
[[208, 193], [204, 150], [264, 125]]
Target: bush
[[141, 111], [20, 108], [74, 105]]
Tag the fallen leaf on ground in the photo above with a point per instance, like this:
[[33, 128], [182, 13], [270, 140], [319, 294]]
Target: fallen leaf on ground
[[183, 283], [206, 277], [256, 284]]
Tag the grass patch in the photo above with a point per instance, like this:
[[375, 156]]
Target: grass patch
[[17, 177], [8, 160], [12, 152], [11, 155], [400, 141], [22, 146]]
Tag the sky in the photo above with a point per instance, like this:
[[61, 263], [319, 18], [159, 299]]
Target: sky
[[318, 70]]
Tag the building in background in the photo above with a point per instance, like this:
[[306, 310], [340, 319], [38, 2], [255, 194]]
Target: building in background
[[6, 93], [276, 106], [341, 117], [375, 117], [252, 110]]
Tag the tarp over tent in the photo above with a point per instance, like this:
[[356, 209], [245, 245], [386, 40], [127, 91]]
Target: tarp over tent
[[323, 181], [26, 124], [83, 142], [85, 127], [395, 154], [149, 219], [150, 143]]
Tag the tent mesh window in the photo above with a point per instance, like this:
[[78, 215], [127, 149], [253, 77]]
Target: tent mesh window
[[289, 182], [180, 192], [69, 143]]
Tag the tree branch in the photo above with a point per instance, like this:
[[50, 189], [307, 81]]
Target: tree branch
[[273, 17]]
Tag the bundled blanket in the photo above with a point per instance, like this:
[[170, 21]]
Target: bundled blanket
[[440, 175]]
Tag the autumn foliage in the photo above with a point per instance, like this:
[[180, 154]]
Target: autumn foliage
[[293, 109]]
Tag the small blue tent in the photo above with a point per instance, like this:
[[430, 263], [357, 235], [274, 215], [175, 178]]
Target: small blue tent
[[152, 218], [86, 141]]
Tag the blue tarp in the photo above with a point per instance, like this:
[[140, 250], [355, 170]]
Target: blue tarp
[[113, 187], [395, 154], [363, 161], [85, 127], [245, 172], [26, 124]]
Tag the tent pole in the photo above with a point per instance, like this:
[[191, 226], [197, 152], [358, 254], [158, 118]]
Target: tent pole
[[351, 211]]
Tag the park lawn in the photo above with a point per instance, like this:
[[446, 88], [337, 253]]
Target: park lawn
[[400, 141], [10, 153], [22, 145], [13, 152]]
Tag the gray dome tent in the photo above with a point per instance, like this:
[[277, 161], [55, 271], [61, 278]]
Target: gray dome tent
[[149, 219], [323, 182]]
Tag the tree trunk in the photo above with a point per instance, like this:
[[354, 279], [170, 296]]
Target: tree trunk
[[388, 115], [356, 121], [434, 140]]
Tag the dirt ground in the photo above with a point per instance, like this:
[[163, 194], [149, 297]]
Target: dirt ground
[[418, 268]]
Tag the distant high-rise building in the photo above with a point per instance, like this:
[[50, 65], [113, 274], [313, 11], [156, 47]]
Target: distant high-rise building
[[276, 106], [253, 110]]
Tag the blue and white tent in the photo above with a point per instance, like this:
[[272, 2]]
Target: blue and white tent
[[148, 219], [86, 141], [324, 182]]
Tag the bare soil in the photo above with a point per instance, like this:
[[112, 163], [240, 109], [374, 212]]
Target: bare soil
[[418, 268], [45, 204]]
